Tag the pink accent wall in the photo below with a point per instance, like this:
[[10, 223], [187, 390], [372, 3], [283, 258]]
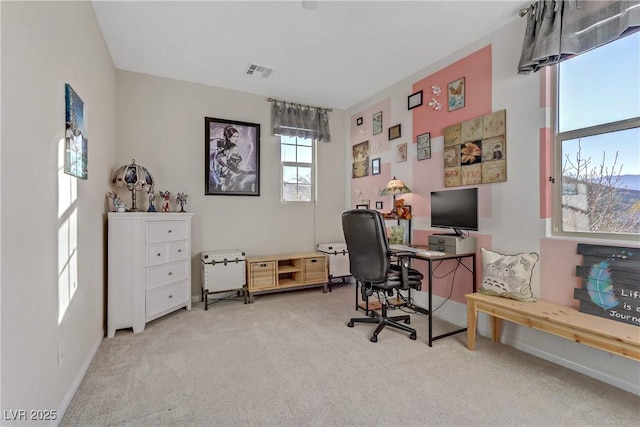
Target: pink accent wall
[[546, 153], [476, 69], [379, 143], [558, 271]]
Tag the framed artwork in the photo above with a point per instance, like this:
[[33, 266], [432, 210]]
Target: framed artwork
[[232, 157], [363, 206], [375, 166], [379, 205], [414, 100], [394, 132], [359, 121], [75, 136], [377, 123], [455, 94], [424, 146], [401, 152], [475, 151], [360, 162]]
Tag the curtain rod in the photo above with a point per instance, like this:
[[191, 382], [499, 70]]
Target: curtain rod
[[301, 105]]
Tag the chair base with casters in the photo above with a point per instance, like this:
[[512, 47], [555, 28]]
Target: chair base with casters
[[383, 320]]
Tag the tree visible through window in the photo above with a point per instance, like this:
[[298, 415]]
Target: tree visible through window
[[298, 168], [598, 140]]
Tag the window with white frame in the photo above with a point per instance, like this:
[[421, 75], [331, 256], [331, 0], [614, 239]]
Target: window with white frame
[[298, 169], [597, 142]]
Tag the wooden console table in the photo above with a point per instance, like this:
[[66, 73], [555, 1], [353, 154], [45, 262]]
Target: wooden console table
[[285, 272]]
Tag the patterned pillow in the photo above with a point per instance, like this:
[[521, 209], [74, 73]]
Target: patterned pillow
[[507, 276]]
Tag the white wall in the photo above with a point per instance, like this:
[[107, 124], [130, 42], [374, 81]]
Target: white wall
[[44, 46], [160, 123], [514, 224]]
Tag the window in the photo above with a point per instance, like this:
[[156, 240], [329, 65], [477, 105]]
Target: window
[[298, 169], [597, 143]]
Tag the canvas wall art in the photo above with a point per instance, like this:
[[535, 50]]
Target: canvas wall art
[[475, 151], [360, 160], [76, 140]]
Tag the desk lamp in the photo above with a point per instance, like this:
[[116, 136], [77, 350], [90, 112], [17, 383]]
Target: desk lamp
[[395, 187], [135, 178]]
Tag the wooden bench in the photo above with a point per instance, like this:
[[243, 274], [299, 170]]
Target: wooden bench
[[609, 335]]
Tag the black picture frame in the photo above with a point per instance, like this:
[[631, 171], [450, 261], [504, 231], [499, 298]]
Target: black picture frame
[[364, 206], [375, 166], [423, 145], [395, 132], [359, 121], [231, 165], [414, 100], [379, 205]]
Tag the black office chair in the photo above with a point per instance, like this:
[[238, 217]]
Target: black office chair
[[371, 266]]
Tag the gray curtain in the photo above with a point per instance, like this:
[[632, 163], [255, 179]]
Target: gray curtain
[[557, 30], [302, 121]]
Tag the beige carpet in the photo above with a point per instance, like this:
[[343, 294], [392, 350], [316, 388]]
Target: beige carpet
[[289, 359]]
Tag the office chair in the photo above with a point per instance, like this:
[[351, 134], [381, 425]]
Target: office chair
[[370, 264]]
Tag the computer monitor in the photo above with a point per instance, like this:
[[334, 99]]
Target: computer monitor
[[455, 209]]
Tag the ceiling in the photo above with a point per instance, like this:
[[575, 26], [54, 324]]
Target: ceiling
[[335, 56]]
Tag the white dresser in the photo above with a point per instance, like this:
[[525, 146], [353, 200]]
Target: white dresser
[[149, 267]]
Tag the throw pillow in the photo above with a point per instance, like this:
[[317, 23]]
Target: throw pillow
[[507, 276]]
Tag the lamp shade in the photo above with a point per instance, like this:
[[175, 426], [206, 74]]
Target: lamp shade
[[132, 176], [135, 178], [395, 187]]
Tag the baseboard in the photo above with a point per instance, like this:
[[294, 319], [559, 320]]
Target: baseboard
[[64, 405], [585, 370], [456, 313]]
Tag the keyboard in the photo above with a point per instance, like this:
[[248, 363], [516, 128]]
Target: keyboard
[[429, 253], [403, 248]]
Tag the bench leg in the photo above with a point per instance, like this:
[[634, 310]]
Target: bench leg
[[496, 328], [472, 320]]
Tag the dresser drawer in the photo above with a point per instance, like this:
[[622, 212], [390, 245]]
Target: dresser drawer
[[166, 231], [161, 253], [166, 297], [167, 273]]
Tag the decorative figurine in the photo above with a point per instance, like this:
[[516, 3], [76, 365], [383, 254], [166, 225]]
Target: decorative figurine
[[152, 197], [181, 198], [118, 204], [165, 197]]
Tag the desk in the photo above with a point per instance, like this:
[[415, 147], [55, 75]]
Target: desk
[[428, 312]]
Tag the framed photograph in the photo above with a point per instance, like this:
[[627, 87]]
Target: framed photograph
[[455, 94], [375, 166], [75, 139], [232, 157], [377, 123], [414, 100], [394, 132], [424, 146], [401, 152], [358, 121], [379, 205], [364, 206]]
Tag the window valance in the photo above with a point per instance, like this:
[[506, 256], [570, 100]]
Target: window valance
[[302, 121], [557, 30]]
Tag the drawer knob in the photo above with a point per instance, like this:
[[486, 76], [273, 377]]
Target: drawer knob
[[179, 250], [169, 231], [170, 273], [158, 254], [171, 296]]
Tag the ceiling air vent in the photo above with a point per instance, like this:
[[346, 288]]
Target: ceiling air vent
[[259, 70]]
